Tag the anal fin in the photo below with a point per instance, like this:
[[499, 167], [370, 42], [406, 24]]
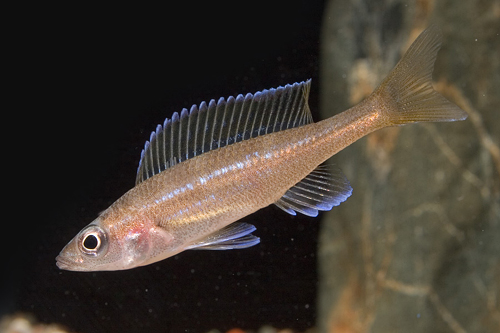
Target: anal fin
[[234, 236], [322, 189]]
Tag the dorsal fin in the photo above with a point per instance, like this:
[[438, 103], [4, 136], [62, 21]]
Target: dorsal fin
[[222, 123]]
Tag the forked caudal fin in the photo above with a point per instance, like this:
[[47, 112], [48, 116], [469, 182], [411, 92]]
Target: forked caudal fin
[[407, 90]]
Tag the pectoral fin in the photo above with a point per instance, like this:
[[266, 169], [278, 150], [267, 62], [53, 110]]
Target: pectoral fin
[[235, 236], [322, 189]]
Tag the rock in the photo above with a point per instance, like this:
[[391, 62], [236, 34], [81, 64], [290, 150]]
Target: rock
[[416, 247]]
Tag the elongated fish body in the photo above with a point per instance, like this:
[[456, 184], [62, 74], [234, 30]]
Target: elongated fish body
[[208, 167]]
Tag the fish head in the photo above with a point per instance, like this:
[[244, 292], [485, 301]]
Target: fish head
[[102, 246]]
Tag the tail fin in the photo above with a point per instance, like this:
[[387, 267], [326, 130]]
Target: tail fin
[[409, 85]]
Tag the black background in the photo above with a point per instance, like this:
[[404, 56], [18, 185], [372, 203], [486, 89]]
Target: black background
[[94, 83]]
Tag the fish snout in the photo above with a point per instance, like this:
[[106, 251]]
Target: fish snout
[[69, 258], [63, 263]]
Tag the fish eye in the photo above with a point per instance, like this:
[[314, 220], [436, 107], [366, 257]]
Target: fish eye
[[93, 241]]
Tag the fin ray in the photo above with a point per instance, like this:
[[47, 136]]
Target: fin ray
[[408, 87], [218, 124], [234, 236], [322, 189]]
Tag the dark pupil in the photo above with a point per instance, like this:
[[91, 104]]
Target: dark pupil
[[90, 242]]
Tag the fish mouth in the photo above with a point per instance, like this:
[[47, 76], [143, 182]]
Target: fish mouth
[[64, 263], [68, 263], [69, 258]]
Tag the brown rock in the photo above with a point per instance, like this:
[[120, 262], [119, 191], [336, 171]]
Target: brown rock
[[416, 248]]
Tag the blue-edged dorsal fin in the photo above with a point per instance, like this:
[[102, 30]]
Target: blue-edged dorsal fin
[[234, 236], [322, 189], [222, 123]]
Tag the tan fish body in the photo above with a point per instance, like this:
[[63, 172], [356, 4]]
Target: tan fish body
[[210, 167]]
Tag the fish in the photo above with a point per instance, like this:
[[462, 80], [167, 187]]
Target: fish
[[206, 168]]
